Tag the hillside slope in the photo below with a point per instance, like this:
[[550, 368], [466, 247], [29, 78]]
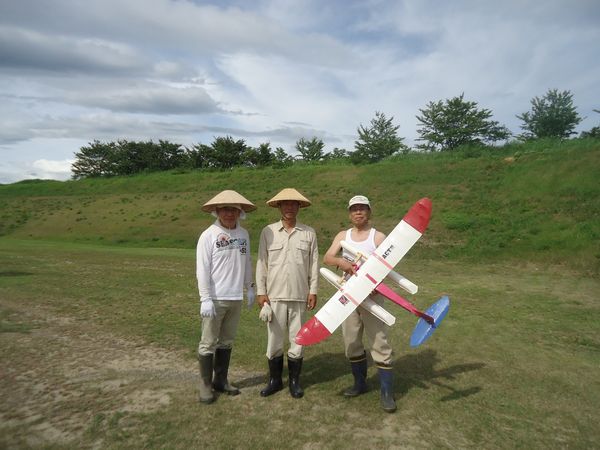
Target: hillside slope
[[537, 202]]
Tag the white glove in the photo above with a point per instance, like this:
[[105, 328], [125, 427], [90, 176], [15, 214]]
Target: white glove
[[266, 313], [207, 308], [250, 296]]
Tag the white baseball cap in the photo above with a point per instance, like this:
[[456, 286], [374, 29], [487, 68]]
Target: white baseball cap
[[359, 200]]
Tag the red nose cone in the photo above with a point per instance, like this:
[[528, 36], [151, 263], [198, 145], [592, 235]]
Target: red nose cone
[[418, 216], [312, 332]]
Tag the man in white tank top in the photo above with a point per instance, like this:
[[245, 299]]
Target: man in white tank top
[[364, 237]]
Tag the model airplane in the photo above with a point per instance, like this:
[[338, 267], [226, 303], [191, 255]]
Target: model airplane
[[371, 270]]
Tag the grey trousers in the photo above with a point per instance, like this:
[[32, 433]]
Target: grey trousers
[[220, 331], [288, 318], [361, 321]]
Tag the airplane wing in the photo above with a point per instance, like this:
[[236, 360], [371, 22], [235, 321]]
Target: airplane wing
[[369, 275]]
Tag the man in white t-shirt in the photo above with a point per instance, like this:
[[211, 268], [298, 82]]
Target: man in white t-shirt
[[365, 238], [223, 269]]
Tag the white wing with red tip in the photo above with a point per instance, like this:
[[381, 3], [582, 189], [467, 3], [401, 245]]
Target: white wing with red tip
[[372, 272]]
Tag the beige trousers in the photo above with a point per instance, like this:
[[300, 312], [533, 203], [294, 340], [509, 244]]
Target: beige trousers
[[287, 316], [361, 321], [219, 331]]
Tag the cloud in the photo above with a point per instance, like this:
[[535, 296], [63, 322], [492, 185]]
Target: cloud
[[179, 26], [294, 94], [277, 70], [42, 169], [150, 99], [45, 168], [22, 49]]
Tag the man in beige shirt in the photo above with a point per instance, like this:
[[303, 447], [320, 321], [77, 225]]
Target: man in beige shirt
[[286, 283]]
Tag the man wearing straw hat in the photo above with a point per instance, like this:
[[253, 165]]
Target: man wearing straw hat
[[286, 284], [223, 269]]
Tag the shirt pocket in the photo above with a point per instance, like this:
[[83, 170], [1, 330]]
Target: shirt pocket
[[302, 252], [275, 254]]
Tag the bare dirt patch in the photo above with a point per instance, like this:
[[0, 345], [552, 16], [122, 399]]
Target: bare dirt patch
[[62, 377]]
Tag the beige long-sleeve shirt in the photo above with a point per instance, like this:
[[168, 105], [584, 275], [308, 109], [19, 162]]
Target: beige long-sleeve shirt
[[288, 264]]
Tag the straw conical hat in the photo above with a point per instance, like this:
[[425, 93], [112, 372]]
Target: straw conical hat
[[289, 194], [228, 198]]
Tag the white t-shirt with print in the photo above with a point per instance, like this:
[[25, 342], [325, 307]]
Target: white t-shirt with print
[[223, 263]]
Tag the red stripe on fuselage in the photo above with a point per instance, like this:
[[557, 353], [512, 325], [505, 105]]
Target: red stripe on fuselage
[[371, 279], [382, 261], [349, 297]]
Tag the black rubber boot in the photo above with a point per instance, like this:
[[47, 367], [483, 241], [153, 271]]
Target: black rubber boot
[[205, 363], [294, 369], [359, 371], [220, 383], [275, 383], [386, 378]]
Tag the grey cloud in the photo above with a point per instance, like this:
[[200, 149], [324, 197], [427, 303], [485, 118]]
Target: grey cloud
[[152, 100], [287, 136], [98, 126], [187, 70], [180, 26], [25, 49], [91, 126], [111, 127], [300, 124]]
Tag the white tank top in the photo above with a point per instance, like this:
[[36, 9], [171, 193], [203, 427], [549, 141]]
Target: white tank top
[[367, 246]]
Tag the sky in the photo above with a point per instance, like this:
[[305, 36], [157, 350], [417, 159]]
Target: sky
[[275, 71]]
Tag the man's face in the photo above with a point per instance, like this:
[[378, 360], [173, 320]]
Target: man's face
[[228, 216], [289, 209], [359, 214]]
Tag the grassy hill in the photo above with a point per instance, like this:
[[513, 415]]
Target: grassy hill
[[99, 321], [536, 202]]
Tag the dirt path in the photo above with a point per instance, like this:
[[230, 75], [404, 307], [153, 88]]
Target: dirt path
[[64, 377]]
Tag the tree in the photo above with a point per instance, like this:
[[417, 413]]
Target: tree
[[594, 132], [223, 153], [172, 155], [260, 156], [378, 141], [310, 150], [95, 160], [228, 153], [126, 158], [552, 116], [282, 159], [455, 122], [337, 154], [134, 157], [200, 155]]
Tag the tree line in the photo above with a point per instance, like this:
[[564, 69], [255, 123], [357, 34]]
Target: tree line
[[443, 126]]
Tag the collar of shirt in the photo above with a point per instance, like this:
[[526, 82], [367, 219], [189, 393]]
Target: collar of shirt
[[298, 226], [217, 223]]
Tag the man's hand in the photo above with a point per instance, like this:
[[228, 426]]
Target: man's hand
[[262, 299], [347, 266], [266, 313], [207, 308], [311, 302]]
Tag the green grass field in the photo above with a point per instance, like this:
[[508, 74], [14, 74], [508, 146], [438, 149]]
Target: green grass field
[[99, 310], [515, 364]]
